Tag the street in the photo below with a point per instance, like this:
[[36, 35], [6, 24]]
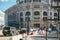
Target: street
[[5, 38], [50, 36], [41, 38], [31, 38]]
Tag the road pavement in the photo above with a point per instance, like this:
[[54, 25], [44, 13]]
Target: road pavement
[[52, 36], [5, 38], [41, 38]]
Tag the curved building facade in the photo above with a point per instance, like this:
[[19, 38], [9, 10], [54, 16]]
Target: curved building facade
[[37, 12], [2, 19], [12, 16]]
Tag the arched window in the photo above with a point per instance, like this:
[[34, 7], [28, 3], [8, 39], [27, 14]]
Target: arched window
[[55, 14], [44, 13], [28, 13], [36, 13]]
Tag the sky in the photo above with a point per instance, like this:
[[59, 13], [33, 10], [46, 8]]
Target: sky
[[5, 4]]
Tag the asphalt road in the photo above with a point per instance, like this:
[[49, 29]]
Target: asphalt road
[[54, 37], [41, 38], [5, 38]]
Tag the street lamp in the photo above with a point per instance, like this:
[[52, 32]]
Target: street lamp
[[28, 20]]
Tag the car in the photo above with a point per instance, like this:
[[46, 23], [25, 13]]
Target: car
[[6, 31], [55, 28], [23, 30]]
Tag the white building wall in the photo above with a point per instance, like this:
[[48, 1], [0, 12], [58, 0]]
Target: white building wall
[[2, 19], [6, 20]]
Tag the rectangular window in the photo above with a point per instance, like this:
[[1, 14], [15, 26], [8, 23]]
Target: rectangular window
[[20, 2], [21, 14], [36, 0], [39, 0], [36, 6], [50, 13], [43, 0], [28, 1], [21, 24], [36, 25], [27, 19], [45, 19], [55, 19], [21, 19], [46, 6]]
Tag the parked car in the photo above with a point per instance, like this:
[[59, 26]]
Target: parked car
[[23, 30], [6, 31]]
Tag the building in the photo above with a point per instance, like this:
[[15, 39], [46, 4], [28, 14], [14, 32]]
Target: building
[[12, 16], [35, 13], [56, 5], [2, 19], [38, 13]]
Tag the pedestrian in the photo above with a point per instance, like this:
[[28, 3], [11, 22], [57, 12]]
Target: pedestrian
[[50, 30]]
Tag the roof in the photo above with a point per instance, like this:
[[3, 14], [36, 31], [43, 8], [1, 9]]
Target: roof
[[11, 9]]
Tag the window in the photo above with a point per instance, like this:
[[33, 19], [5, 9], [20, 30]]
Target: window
[[44, 18], [21, 7], [21, 14], [36, 25], [21, 19], [45, 6], [36, 19], [36, 13], [28, 7], [28, 14], [39, 0], [28, 1], [43, 0], [55, 14], [36, 6], [21, 24], [20, 2], [27, 19], [36, 0], [50, 13], [44, 13], [12, 16], [48, 1], [55, 19]]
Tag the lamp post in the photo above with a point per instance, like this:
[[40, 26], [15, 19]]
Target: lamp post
[[28, 28], [46, 29]]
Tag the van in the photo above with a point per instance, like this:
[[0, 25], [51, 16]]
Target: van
[[6, 31]]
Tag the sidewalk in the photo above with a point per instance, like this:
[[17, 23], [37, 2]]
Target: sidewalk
[[59, 36]]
